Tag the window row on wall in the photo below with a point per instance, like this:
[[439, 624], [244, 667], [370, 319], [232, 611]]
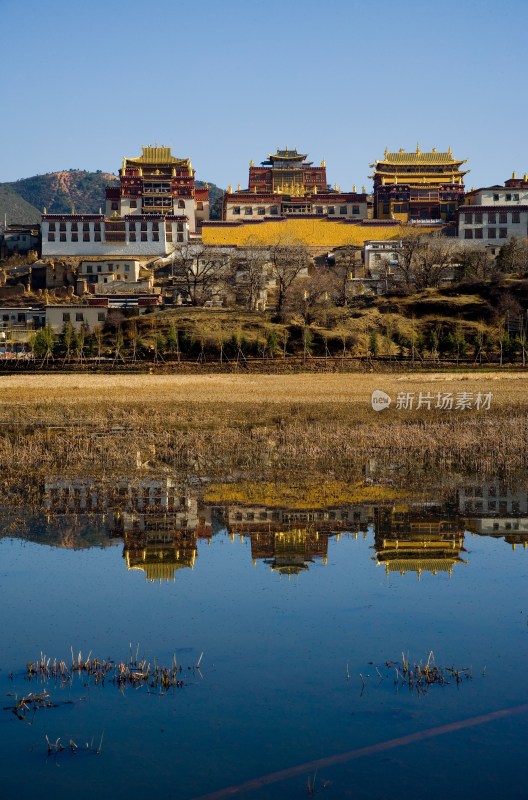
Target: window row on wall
[[143, 236], [491, 233], [67, 316], [274, 210], [74, 227], [501, 217]]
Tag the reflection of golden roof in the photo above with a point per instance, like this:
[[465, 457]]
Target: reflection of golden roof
[[422, 545], [160, 564], [420, 554], [420, 565], [289, 569]]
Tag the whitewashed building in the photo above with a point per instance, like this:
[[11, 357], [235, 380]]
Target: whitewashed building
[[97, 235], [381, 255], [80, 316], [492, 215]]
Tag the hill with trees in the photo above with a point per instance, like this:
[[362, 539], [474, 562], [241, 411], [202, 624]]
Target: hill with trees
[[14, 209], [59, 192]]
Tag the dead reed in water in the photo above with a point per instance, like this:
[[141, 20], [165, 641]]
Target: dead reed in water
[[421, 677], [30, 703], [133, 672]]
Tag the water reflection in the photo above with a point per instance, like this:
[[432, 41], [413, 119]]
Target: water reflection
[[494, 509], [160, 520], [418, 537], [315, 641]]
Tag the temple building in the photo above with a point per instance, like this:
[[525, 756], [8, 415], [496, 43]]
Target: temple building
[[154, 208], [287, 184], [156, 182], [289, 199], [417, 186]]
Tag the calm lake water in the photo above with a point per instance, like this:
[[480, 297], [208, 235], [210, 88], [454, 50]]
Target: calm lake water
[[297, 613]]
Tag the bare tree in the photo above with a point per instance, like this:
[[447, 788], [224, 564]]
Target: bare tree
[[248, 272], [199, 270], [513, 256], [312, 297], [425, 260], [288, 258], [476, 262], [345, 266]]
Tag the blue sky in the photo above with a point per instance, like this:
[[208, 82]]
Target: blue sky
[[228, 81]]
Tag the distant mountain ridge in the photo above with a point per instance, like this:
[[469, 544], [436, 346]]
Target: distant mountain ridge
[[60, 192]]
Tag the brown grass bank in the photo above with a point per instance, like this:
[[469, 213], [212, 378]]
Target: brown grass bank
[[261, 426]]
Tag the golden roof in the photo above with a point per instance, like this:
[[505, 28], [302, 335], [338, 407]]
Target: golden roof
[[157, 155], [417, 157], [419, 565]]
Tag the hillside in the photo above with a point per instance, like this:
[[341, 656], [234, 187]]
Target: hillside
[[24, 200], [62, 191], [15, 209]]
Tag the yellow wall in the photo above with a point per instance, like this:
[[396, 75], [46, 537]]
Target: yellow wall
[[313, 232]]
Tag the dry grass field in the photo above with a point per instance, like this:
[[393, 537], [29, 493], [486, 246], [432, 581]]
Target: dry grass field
[[509, 388], [258, 427]]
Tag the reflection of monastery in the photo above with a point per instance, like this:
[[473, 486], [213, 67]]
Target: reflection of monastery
[[290, 539], [493, 509], [417, 537], [161, 543], [161, 519], [343, 518], [160, 554], [79, 495], [289, 552], [158, 519]]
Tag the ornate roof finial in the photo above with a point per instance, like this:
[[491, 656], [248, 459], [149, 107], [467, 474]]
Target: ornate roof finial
[[434, 149], [449, 152], [323, 163], [514, 175], [251, 163], [44, 210], [229, 189], [238, 188], [418, 151], [363, 190], [386, 155], [354, 189]]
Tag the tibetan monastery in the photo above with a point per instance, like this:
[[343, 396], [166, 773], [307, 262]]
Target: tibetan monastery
[[287, 184], [156, 182], [154, 207], [418, 186]]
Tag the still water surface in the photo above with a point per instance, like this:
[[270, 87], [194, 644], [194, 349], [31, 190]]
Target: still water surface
[[295, 617]]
